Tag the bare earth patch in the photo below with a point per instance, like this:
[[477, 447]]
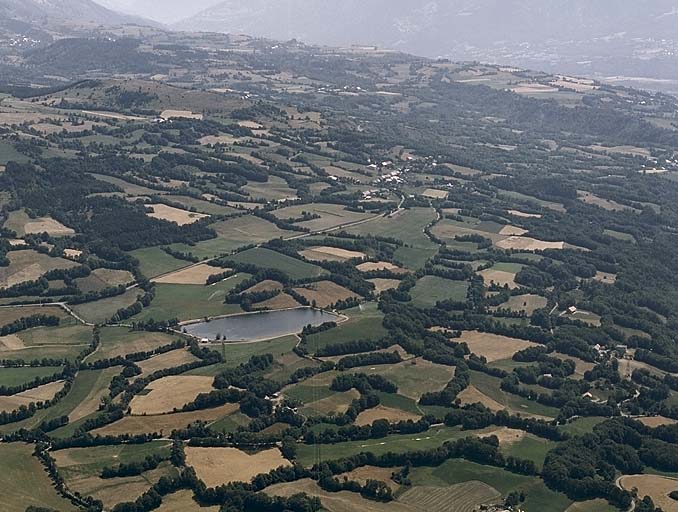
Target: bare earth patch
[[605, 277], [500, 277], [369, 416], [325, 293], [169, 393], [11, 342], [197, 274], [525, 243], [654, 486], [493, 346], [380, 265], [176, 215], [219, 466], [165, 423], [330, 254], [39, 394], [656, 421]]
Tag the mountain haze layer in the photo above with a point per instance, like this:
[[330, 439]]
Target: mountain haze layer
[[46, 12]]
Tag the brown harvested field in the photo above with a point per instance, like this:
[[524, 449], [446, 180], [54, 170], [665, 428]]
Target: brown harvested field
[[528, 88], [506, 436], [462, 497], [119, 341], [330, 254], [605, 277], [196, 274], [605, 204], [512, 231], [11, 342], [168, 393], [176, 215], [22, 224], [11, 313], [104, 278], [381, 285], [365, 473], [344, 501], [380, 265], [433, 193], [525, 243], [576, 84], [500, 277], [528, 303], [471, 395], [219, 466], [493, 346], [39, 394], [325, 293], [170, 359], [623, 150], [337, 403], [369, 416], [267, 285], [657, 421], [654, 486], [182, 501], [165, 423], [29, 265], [518, 213], [280, 301]]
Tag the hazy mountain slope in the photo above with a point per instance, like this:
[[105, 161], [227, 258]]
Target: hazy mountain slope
[[60, 11], [596, 37], [164, 11]]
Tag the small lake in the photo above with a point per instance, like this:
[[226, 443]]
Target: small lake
[[259, 326]]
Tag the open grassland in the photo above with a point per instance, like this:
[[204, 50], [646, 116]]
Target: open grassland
[[153, 261], [499, 277], [19, 222], [102, 278], [196, 274], [432, 289], [100, 311], [364, 322], [29, 265], [325, 293], [493, 346], [527, 446], [280, 301], [126, 186], [491, 387], [331, 402], [120, 341], [9, 154], [170, 393], [413, 377], [170, 359], [189, 302], [381, 285], [25, 483], [528, 303], [407, 226], [331, 215], [370, 266], [380, 412], [201, 206], [323, 253], [164, 424], [266, 258], [65, 341], [81, 467], [182, 501], [464, 497], [10, 314], [276, 189], [656, 487], [176, 215], [538, 497], [591, 506], [95, 384], [233, 234], [219, 466], [17, 376], [365, 473], [343, 501], [525, 243], [35, 395]]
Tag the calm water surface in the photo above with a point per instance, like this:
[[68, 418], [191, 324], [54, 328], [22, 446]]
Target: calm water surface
[[259, 326]]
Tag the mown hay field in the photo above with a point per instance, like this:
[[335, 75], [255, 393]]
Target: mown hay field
[[169, 393], [29, 265]]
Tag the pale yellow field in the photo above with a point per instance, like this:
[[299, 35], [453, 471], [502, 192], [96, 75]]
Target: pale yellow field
[[337, 403], [197, 274], [381, 285], [654, 486], [605, 277], [170, 359], [169, 393], [525, 215], [176, 215], [265, 286], [219, 466], [380, 265], [605, 204], [433, 193], [528, 88], [512, 231], [73, 254], [330, 254], [182, 501], [493, 346], [39, 394], [500, 277], [164, 423], [29, 265], [656, 421], [365, 473], [11, 342], [47, 225], [280, 301], [325, 293], [471, 395], [380, 412], [524, 243]]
